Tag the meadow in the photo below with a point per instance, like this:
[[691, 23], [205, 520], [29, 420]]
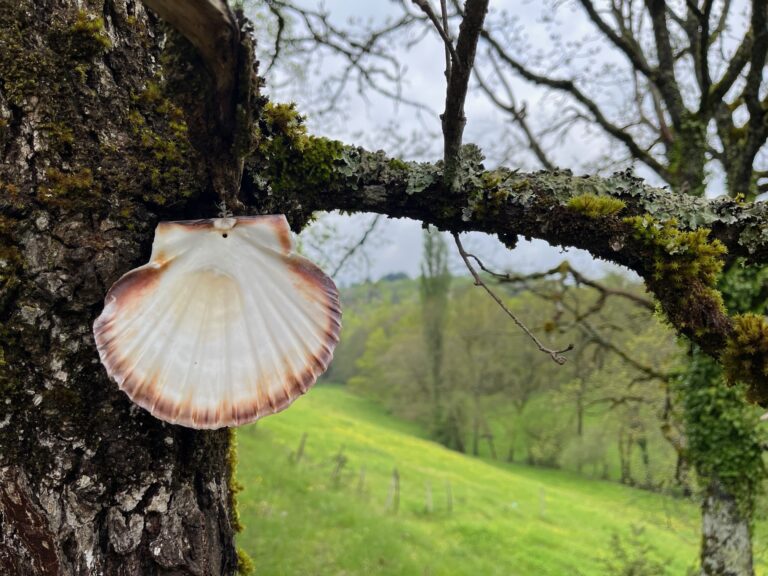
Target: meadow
[[331, 506]]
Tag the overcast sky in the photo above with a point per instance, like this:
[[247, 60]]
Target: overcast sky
[[396, 246]]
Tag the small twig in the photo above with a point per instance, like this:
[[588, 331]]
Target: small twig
[[556, 355], [275, 10], [444, 11], [355, 247], [442, 29]]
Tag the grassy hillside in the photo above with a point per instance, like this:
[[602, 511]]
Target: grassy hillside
[[317, 517]]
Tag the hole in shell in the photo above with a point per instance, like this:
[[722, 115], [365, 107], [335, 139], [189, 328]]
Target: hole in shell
[[224, 235]]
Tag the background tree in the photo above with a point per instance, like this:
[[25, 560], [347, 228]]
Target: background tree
[[435, 283]]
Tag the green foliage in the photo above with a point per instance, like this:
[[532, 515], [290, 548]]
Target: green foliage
[[595, 206], [502, 394], [723, 441], [434, 284], [634, 556]]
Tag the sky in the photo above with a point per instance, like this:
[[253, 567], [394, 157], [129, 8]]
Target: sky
[[364, 117]]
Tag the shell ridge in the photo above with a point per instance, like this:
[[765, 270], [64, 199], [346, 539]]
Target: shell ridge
[[312, 345], [252, 369], [188, 411], [310, 324], [264, 380], [314, 328], [183, 413], [119, 330], [302, 312], [264, 315], [173, 343], [141, 346], [311, 336]]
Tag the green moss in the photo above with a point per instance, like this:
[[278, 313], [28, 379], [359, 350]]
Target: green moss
[[22, 65], [397, 164], [745, 358], [234, 486], [595, 206], [160, 132], [61, 135], [245, 565], [69, 190], [294, 160], [680, 256], [87, 37]]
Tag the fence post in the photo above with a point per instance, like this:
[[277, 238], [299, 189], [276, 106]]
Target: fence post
[[299, 454], [341, 460], [393, 498], [448, 497], [361, 481]]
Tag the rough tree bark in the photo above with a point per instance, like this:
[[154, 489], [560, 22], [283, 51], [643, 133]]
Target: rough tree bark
[[96, 145], [109, 122], [726, 535]]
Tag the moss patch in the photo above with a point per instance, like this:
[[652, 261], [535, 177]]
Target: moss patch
[[71, 191], [681, 257], [745, 357], [294, 164], [595, 206], [160, 132]]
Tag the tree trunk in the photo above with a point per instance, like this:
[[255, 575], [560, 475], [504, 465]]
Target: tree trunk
[[97, 143], [726, 541]]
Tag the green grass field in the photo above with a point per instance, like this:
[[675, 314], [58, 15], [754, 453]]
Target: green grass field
[[303, 518]]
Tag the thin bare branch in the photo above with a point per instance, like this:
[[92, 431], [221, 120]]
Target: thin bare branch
[[357, 246], [442, 29], [556, 355]]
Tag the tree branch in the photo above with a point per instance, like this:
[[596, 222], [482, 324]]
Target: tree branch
[[649, 230], [664, 76], [453, 118], [441, 29], [569, 87], [556, 355]]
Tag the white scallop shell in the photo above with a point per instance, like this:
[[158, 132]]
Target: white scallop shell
[[223, 325]]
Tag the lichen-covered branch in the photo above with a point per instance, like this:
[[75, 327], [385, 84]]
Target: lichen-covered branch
[[677, 244]]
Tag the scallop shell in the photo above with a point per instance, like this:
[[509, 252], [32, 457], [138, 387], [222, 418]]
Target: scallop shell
[[223, 325]]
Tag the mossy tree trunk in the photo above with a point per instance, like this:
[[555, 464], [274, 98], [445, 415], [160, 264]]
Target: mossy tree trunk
[[96, 145]]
